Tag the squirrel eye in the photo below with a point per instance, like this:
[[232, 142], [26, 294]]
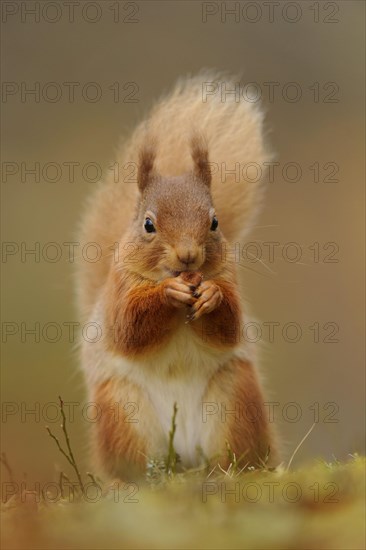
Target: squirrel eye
[[149, 226], [214, 224]]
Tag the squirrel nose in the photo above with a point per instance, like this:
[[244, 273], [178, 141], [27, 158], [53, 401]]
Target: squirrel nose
[[186, 256]]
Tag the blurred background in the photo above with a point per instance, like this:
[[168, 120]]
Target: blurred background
[[96, 70]]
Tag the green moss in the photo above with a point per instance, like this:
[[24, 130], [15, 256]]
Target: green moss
[[318, 506]]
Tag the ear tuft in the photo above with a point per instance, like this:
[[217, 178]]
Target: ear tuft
[[145, 170], [199, 153]]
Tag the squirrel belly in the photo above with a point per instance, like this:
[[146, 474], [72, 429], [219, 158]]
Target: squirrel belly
[[165, 292]]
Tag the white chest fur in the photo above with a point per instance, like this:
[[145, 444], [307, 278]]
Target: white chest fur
[[190, 430]]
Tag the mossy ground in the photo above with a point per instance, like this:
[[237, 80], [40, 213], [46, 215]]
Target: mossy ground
[[319, 506]]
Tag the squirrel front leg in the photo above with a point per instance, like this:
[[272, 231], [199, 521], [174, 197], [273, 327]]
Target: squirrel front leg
[[142, 315], [218, 309]]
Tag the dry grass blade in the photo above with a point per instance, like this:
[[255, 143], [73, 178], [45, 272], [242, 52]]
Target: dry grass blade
[[299, 445]]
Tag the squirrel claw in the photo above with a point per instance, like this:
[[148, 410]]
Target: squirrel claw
[[190, 318]]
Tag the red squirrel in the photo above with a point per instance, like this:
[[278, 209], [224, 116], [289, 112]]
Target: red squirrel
[[165, 294]]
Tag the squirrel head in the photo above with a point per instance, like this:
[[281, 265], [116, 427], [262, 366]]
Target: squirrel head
[[176, 223]]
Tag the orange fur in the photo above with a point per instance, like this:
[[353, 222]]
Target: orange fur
[[118, 448], [241, 420], [138, 315], [250, 434]]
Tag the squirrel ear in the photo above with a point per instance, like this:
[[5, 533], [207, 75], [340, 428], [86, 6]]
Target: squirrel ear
[[199, 153], [145, 170]]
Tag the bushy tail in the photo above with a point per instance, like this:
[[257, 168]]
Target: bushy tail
[[233, 129]]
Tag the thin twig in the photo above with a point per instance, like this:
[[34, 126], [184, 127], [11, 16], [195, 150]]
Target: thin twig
[[69, 457], [68, 443], [172, 455], [90, 475], [59, 446], [7, 467]]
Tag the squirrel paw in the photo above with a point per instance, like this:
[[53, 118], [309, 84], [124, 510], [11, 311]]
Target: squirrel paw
[[208, 297], [178, 292]]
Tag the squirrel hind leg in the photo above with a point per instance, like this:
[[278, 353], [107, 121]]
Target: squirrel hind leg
[[119, 451], [243, 424]]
